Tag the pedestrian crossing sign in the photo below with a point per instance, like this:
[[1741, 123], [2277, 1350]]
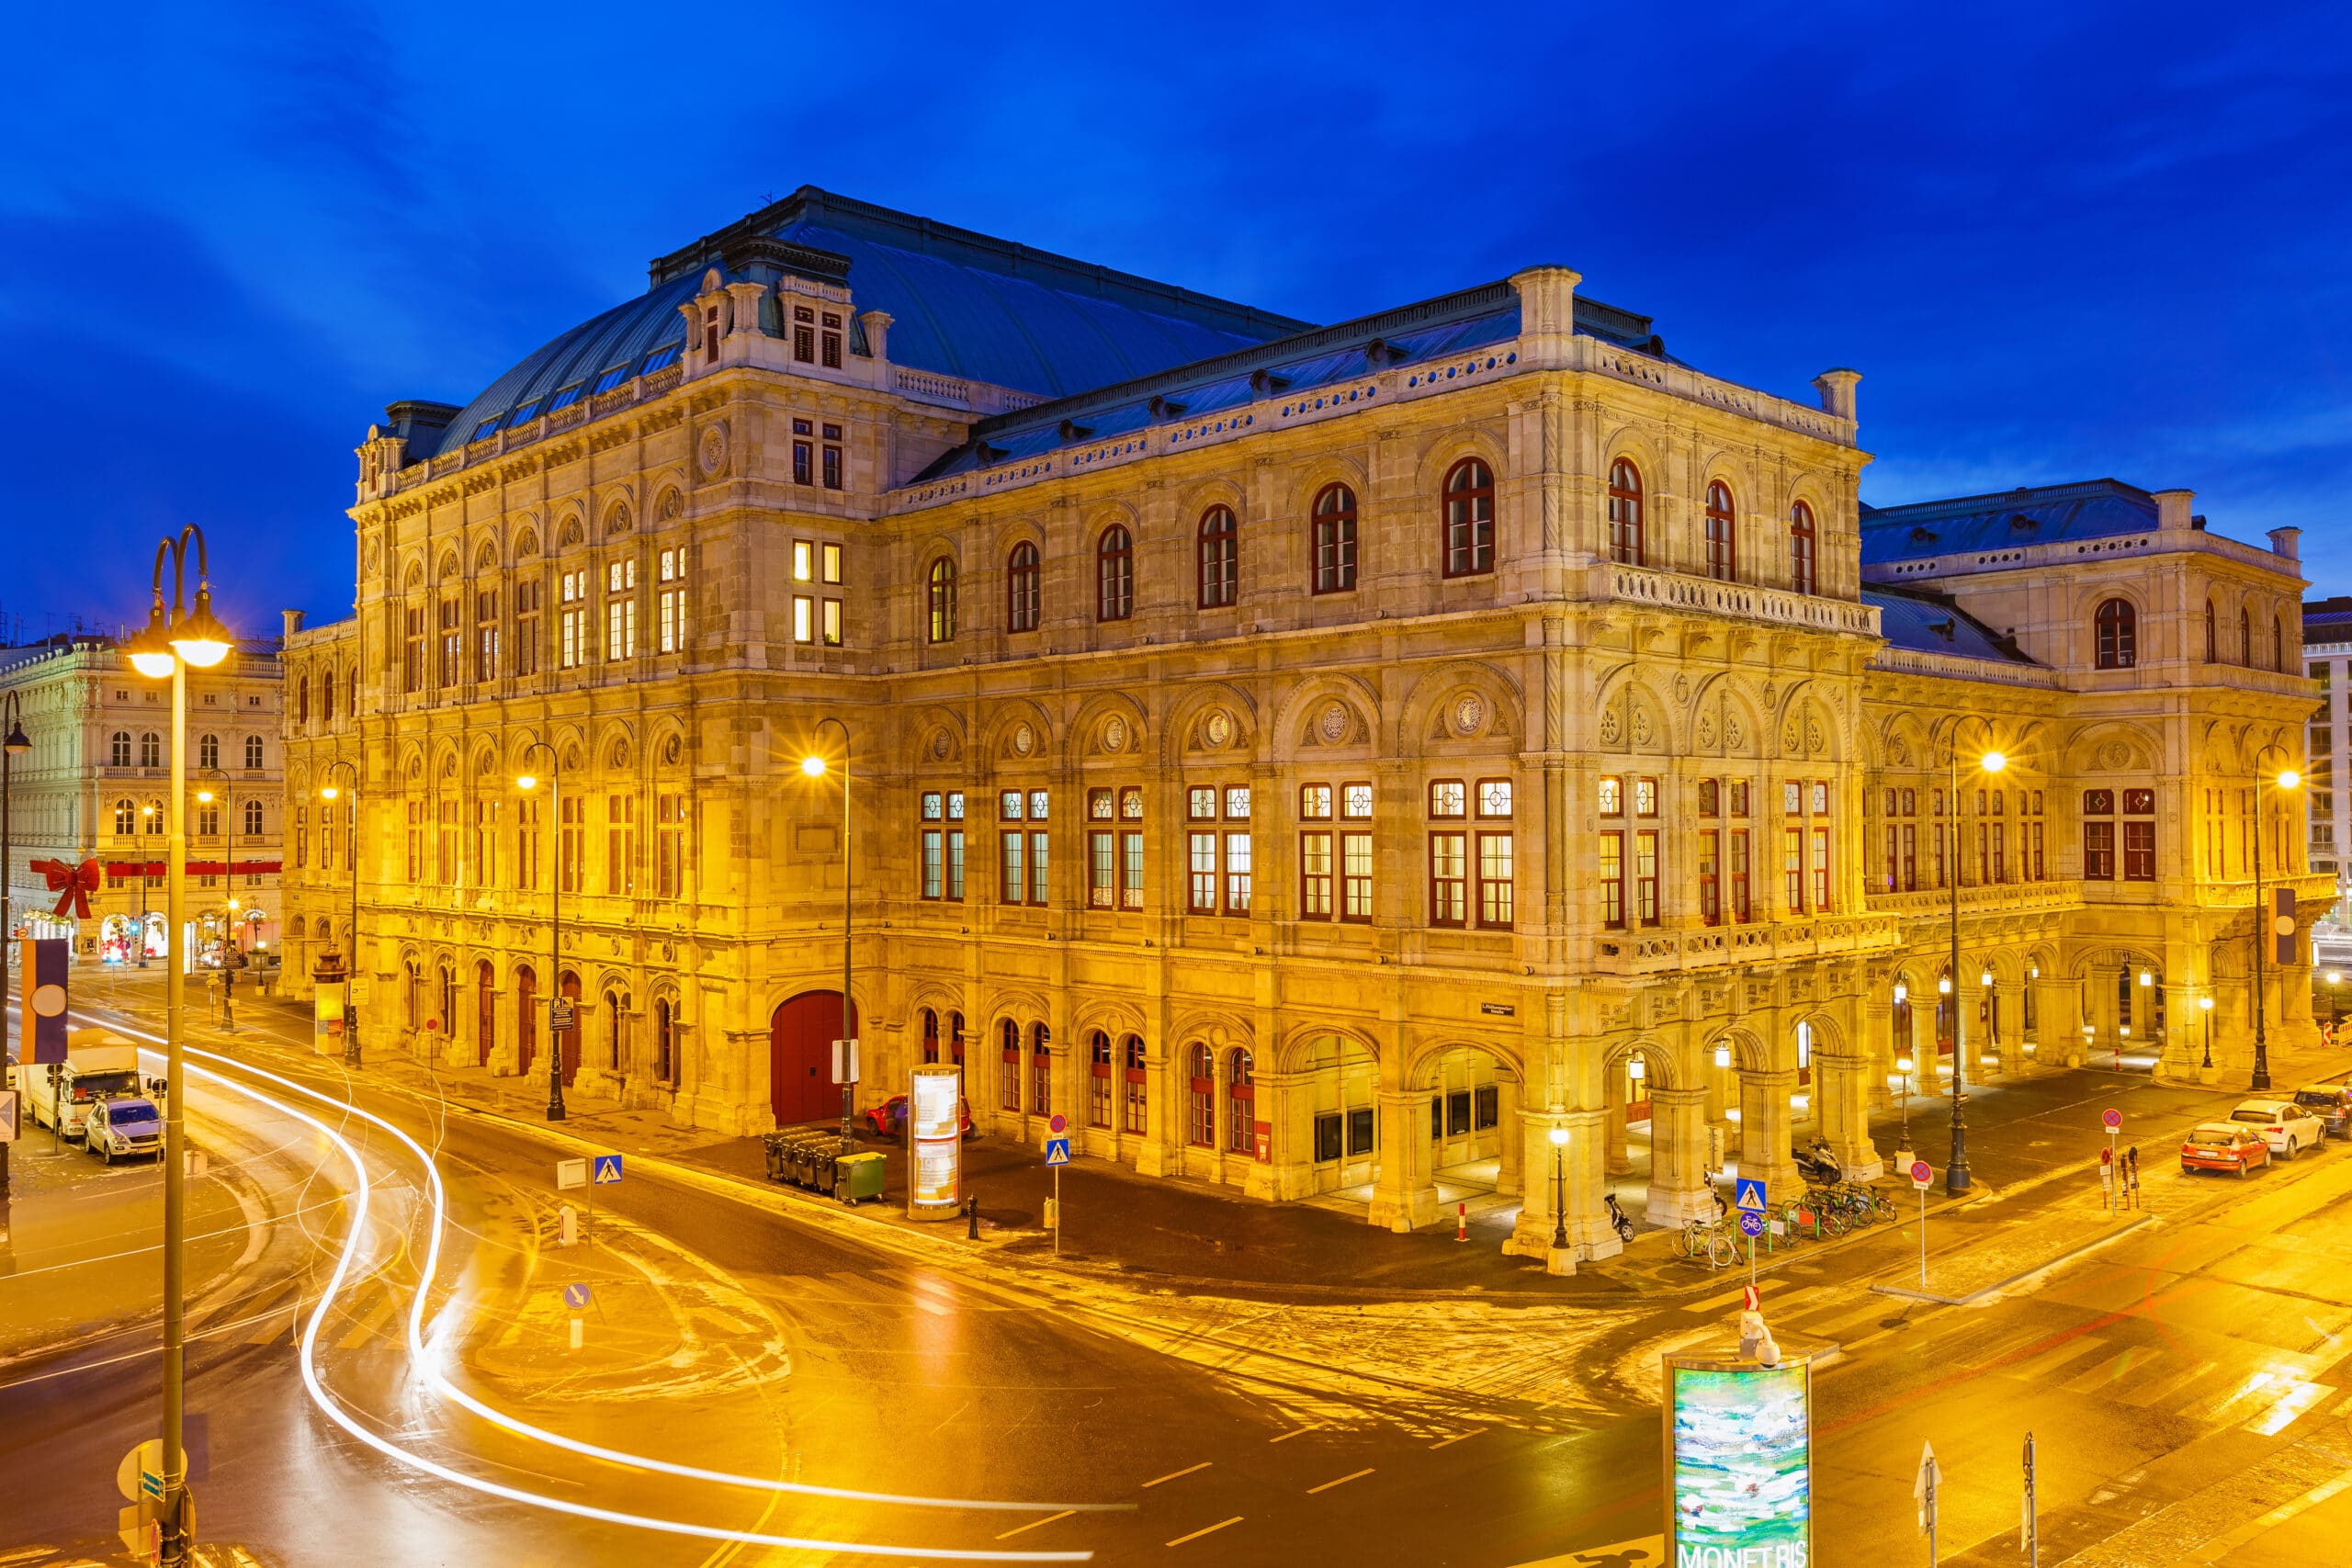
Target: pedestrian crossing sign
[[1748, 1194], [1057, 1151], [608, 1169]]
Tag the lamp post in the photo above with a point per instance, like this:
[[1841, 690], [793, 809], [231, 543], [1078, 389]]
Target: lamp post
[[166, 649], [1956, 1178], [1559, 1137], [2205, 1006], [15, 746], [228, 884], [813, 766], [555, 925], [328, 793], [2263, 926]]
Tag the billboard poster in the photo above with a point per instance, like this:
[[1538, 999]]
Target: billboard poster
[[935, 1140], [1739, 1464]]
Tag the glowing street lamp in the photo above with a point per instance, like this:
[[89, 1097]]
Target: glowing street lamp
[[1559, 1135], [1992, 760], [2264, 924]]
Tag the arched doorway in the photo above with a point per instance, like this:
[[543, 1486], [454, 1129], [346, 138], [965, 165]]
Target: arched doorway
[[569, 1040], [1472, 1095], [1631, 1079], [800, 1058], [526, 1017], [485, 1011]]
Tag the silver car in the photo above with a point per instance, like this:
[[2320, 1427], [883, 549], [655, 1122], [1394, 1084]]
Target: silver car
[[2285, 1126], [125, 1128]]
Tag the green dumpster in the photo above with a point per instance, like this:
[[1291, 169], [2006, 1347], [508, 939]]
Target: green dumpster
[[859, 1177]]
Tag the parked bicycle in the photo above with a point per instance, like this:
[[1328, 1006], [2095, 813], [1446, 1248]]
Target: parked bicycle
[[1710, 1239]]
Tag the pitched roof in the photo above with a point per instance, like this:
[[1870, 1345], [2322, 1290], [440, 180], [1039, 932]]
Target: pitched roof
[[2027, 516], [1929, 623]]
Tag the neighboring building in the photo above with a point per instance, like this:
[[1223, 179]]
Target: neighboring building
[[2328, 658], [1308, 758], [95, 784]]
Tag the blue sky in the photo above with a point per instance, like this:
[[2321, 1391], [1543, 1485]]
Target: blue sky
[[2060, 241]]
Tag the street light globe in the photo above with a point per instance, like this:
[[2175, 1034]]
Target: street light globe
[[813, 766], [1902, 993], [526, 783], [2206, 1003], [1943, 985], [153, 663], [1559, 1137], [1994, 762], [329, 793], [1723, 1055], [2336, 977], [204, 796], [2289, 779], [1904, 1064], [1985, 978]]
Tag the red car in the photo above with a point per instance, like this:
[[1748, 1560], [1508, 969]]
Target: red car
[[889, 1119], [2223, 1146]]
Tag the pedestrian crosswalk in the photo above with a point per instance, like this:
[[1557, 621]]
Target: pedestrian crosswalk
[[2263, 1391]]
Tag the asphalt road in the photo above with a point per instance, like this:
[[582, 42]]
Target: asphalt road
[[2185, 1373]]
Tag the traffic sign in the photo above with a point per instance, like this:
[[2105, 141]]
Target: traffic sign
[[560, 1016], [7, 1115], [570, 1173], [146, 1461], [2113, 1119], [1751, 1222], [1921, 1174], [576, 1297], [2107, 1154], [608, 1169], [1057, 1151], [1058, 1124], [1748, 1194]]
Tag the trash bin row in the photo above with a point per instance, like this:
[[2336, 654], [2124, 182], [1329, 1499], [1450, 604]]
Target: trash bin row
[[813, 1159]]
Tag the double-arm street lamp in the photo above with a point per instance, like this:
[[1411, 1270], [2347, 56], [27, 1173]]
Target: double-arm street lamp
[[167, 649], [330, 794], [15, 746], [813, 766], [1956, 1179], [555, 924], [2265, 925]]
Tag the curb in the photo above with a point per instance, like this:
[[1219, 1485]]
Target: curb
[[1912, 1292]]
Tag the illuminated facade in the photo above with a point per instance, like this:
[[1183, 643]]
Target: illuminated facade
[[1309, 759]]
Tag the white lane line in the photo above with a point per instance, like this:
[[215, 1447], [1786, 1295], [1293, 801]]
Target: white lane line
[[1176, 1474], [1457, 1437], [1033, 1524], [1359, 1476], [1211, 1530], [1296, 1432]]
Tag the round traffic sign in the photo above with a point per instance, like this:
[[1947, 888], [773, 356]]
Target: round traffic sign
[[1752, 1222], [1921, 1172], [2113, 1119], [2107, 1156], [1058, 1123]]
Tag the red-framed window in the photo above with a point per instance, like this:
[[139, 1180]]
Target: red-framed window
[[1009, 1074], [1098, 1101], [1220, 558], [1739, 905], [1023, 588], [1114, 574], [1355, 877], [1497, 882], [1722, 533], [1612, 878], [1241, 1103], [1711, 904], [1201, 1124], [1449, 874], [1315, 876], [2140, 835], [1218, 849], [2117, 627], [1334, 540], [929, 1038], [1041, 1069], [1625, 536], [1469, 518], [1646, 907], [1139, 1089], [1804, 574]]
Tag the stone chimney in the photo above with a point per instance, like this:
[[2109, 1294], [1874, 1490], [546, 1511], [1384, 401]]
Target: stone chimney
[[877, 332], [1837, 389], [2287, 542], [1547, 312], [293, 622], [2172, 508]]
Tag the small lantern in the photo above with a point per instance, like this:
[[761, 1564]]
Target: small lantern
[[1635, 1069], [1723, 1055]]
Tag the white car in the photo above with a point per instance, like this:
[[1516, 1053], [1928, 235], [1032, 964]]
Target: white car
[[123, 1129], [2285, 1126]]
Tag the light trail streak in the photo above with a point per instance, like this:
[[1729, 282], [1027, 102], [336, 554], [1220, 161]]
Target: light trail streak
[[355, 1234]]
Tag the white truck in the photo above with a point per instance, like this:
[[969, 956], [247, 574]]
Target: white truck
[[99, 1065]]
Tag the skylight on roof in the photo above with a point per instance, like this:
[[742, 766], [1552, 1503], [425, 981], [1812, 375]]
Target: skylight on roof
[[660, 358], [611, 379], [486, 429], [566, 398], [525, 415]]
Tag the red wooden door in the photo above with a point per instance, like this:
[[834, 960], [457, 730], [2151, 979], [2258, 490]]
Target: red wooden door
[[801, 1058], [526, 1019]]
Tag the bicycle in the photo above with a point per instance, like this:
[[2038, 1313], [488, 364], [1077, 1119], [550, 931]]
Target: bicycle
[[1709, 1239]]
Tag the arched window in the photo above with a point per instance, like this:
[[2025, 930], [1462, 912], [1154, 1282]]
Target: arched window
[[207, 750], [1335, 539], [665, 1042], [252, 751], [1220, 558], [1114, 574], [1201, 1125], [303, 700], [929, 1038], [150, 749], [1138, 1094], [1625, 543], [151, 817], [1098, 1104], [2245, 639], [301, 841], [2212, 637], [1241, 1103], [943, 600], [126, 817], [1469, 519], [1722, 545], [326, 695], [1803, 573], [955, 1039], [1008, 1070], [1041, 1069], [121, 749], [1021, 588], [253, 818], [2117, 634], [2278, 645]]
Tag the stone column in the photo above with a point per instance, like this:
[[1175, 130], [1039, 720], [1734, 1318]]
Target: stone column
[[2184, 1034], [1590, 1235], [1531, 1233], [1513, 1163], [1157, 1154], [1615, 1160], [1678, 1190], [1764, 1151], [1403, 1195], [1879, 1049], [2103, 1019], [2058, 1021], [1844, 1099]]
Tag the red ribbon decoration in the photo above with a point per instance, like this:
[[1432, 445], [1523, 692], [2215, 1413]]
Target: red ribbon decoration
[[72, 884]]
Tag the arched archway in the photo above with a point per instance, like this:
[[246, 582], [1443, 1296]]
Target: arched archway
[[1336, 1095], [526, 1017], [1463, 1148], [801, 1032], [1631, 1073], [485, 1011]]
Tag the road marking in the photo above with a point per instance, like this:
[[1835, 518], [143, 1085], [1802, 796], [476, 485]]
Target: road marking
[[1295, 1432], [1359, 1476], [1176, 1474], [1457, 1437], [2300, 1397], [2111, 1369], [1211, 1530], [1714, 1303], [2166, 1387], [2033, 1370], [930, 1306], [2214, 1550], [1033, 1524]]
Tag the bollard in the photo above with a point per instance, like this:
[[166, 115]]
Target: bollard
[[569, 1223], [971, 1219], [1462, 1222]]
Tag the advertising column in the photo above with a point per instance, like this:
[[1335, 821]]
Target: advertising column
[[934, 1143], [1738, 1462]]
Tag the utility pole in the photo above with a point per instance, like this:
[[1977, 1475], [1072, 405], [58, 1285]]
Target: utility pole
[[2029, 1528]]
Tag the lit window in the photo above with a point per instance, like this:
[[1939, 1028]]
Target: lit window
[[1315, 802], [1446, 798], [1469, 542], [804, 618], [1494, 797], [1355, 802]]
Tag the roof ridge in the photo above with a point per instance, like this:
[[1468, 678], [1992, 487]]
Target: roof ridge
[[2023, 495]]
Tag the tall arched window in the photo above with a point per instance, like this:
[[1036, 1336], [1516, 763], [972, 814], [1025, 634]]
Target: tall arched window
[[1469, 519], [2119, 634], [1098, 1099], [2212, 637], [1138, 1094], [1008, 1067], [929, 1038], [1021, 588], [207, 750], [350, 690], [943, 600], [303, 700], [1722, 545], [253, 818], [252, 750], [326, 695], [665, 1042], [1041, 1069], [1625, 513], [121, 752], [1220, 558], [955, 1039], [126, 817], [1241, 1103], [1804, 573], [1114, 574], [1335, 539], [151, 748], [1200, 1126], [2245, 639]]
